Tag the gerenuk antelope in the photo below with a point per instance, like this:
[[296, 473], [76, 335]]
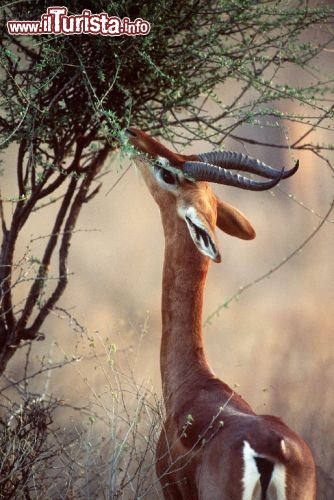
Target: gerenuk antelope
[[212, 445]]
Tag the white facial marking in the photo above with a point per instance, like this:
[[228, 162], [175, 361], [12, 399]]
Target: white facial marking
[[163, 161]]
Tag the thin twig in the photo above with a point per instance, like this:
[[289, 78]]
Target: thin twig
[[272, 270]]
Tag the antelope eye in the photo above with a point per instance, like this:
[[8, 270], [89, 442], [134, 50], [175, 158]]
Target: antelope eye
[[166, 176]]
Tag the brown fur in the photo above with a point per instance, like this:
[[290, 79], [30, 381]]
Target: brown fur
[[199, 453]]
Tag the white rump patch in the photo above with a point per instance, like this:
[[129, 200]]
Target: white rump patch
[[251, 475], [276, 488], [251, 478]]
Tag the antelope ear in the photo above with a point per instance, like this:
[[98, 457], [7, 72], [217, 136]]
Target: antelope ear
[[233, 222]]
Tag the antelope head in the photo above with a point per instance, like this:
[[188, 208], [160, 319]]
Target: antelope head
[[186, 177]]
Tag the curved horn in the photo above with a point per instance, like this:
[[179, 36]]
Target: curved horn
[[200, 171], [240, 161]]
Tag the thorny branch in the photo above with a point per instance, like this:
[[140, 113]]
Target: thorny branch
[[15, 330]]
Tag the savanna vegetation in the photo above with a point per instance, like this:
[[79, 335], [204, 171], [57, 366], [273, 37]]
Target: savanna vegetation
[[253, 76]]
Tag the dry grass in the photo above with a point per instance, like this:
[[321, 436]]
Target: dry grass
[[104, 449]]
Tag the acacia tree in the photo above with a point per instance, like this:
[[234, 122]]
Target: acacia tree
[[66, 99]]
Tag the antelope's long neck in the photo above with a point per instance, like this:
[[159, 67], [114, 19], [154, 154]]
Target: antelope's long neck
[[182, 358]]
